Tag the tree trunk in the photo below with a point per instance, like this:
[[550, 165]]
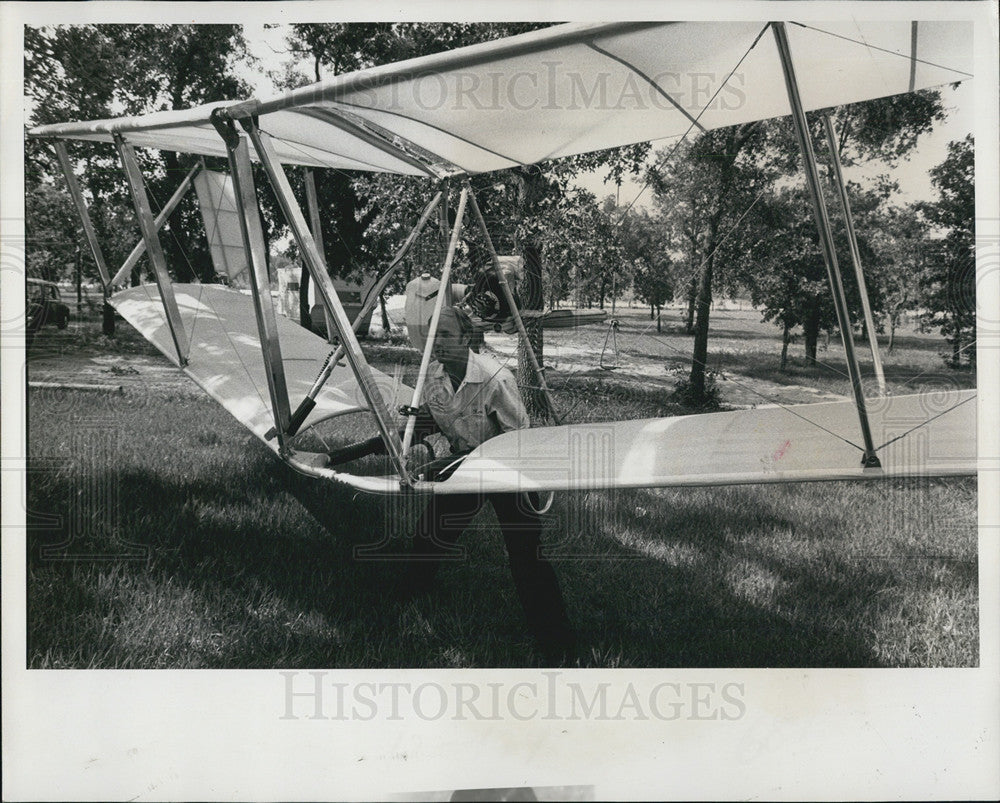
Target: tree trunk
[[305, 318], [385, 314], [534, 399], [810, 329], [659, 326], [785, 338], [892, 331], [703, 309], [956, 349], [652, 311], [692, 299]]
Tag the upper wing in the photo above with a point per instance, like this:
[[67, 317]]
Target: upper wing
[[566, 90]]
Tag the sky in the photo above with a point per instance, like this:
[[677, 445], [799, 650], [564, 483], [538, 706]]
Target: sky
[[912, 174]]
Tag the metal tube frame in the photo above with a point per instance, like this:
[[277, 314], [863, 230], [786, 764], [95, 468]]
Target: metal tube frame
[[333, 118], [153, 247], [158, 223], [81, 207], [870, 458], [314, 260], [515, 313], [315, 226], [443, 225], [852, 238], [369, 304], [255, 248], [425, 360]]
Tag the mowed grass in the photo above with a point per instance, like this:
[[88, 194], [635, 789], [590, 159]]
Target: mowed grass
[[161, 534], [238, 562]]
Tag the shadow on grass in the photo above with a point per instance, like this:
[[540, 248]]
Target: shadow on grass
[[666, 584], [642, 591]]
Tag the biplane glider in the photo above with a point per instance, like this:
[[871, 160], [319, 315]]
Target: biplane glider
[[510, 102]]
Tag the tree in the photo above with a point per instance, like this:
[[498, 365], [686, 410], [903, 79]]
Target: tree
[[949, 281], [787, 278], [648, 249], [703, 193], [900, 242], [98, 71], [175, 67], [581, 247], [69, 74], [794, 289]]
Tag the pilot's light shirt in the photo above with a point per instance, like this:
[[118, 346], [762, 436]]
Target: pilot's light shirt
[[486, 403]]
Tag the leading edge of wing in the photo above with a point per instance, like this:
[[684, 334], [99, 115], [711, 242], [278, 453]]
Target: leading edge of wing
[[922, 435]]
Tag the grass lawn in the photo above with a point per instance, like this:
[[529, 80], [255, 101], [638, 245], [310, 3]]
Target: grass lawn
[[161, 534]]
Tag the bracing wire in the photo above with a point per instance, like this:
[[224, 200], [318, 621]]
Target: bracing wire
[[881, 49], [663, 162], [925, 423]]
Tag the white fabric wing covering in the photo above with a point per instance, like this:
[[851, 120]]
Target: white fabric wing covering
[[922, 435], [567, 90], [225, 356], [220, 214]]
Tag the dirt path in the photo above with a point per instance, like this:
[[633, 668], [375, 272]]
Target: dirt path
[[76, 356]]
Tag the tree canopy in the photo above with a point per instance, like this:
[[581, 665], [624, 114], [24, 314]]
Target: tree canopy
[[728, 211], [949, 278], [75, 72]]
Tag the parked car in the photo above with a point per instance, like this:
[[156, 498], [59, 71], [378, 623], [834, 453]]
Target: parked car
[[44, 305]]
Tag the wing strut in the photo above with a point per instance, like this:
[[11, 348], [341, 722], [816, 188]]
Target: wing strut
[[852, 237], [256, 252], [309, 402], [81, 208], [317, 266], [425, 360], [158, 223], [153, 247], [505, 288], [870, 459]]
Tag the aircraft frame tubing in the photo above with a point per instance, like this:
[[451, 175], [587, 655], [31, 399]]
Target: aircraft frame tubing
[[147, 224], [369, 304], [158, 223], [81, 207], [317, 264], [425, 359], [852, 238], [826, 237], [256, 248]]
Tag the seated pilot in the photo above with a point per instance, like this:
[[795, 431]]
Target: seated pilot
[[469, 398]]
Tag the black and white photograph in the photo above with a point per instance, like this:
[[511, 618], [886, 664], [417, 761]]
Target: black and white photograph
[[427, 405]]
